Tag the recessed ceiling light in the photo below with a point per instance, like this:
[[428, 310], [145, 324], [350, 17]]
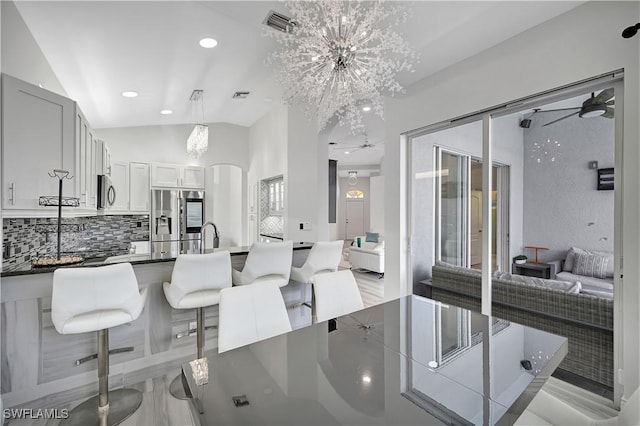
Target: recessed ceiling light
[[166, 112], [208, 43], [347, 152], [130, 94], [366, 108]]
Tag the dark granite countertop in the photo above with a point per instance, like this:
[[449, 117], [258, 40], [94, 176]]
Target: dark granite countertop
[[277, 236], [134, 259]]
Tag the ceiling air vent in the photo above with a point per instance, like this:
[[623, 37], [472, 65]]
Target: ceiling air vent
[[241, 95], [279, 22]]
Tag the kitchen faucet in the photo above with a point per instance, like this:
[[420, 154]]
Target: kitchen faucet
[[215, 237]]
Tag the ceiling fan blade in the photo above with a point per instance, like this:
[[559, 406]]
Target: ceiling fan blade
[[611, 102], [559, 109], [608, 113], [603, 96], [561, 118]]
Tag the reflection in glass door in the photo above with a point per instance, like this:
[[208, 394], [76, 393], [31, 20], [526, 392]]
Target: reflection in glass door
[[452, 203]]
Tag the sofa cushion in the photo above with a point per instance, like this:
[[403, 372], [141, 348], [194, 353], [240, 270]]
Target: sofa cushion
[[566, 286], [587, 282], [598, 293], [590, 265], [570, 260], [372, 237]]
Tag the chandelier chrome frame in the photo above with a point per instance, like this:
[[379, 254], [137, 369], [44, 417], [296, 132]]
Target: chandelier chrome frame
[[198, 140], [341, 55]]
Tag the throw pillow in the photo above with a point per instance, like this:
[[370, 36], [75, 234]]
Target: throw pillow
[[372, 237], [570, 260], [591, 265]]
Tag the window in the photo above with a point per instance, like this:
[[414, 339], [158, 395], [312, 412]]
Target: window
[[355, 194], [276, 196]]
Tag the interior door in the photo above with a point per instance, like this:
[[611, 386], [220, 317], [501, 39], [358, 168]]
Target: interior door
[[354, 219]]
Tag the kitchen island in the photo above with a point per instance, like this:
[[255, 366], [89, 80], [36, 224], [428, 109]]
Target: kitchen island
[[37, 362]]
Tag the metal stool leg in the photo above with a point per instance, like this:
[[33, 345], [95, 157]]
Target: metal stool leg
[[106, 408], [176, 389]]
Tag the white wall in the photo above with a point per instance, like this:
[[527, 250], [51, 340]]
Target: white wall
[[267, 158], [563, 207], [558, 52], [376, 204], [285, 142], [224, 204], [306, 180], [21, 55], [343, 186], [228, 144]]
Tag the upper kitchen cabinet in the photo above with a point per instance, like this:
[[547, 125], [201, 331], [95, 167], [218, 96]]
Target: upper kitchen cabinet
[[192, 177], [37, 137], [139, 187], [86, 148], [120, 182], [177, 176]]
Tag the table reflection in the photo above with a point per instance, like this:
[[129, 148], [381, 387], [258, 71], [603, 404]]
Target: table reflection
[[408, 361]]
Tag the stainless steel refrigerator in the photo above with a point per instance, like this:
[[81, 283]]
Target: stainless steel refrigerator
[[176, 219]]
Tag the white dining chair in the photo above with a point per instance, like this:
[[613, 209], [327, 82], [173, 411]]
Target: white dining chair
[[249, 314], [266, 263], [336, 294]]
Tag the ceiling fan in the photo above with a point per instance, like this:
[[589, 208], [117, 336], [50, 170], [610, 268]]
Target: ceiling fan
[[354, 148], [595, 106]]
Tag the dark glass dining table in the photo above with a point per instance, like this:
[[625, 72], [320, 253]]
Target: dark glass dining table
[[409, 361]]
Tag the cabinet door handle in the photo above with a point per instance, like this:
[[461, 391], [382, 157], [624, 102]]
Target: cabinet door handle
[[12, 187]]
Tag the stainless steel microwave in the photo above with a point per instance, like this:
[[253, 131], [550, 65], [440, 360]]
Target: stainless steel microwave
[[106, 192]]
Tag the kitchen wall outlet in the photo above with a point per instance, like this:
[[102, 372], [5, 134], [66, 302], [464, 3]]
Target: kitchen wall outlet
[[301, 226]]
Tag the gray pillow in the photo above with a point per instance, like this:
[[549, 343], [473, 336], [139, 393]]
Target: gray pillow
[[591, 265], [569, 262]]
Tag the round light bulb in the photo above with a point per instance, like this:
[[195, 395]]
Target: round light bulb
[[129, 94], [166, 112], [208, 43]]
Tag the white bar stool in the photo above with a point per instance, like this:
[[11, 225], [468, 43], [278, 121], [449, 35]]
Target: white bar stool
[[266, 263], [323, 257], [96, 299], [196, 282]]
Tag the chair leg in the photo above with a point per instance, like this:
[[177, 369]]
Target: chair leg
[[176, 388], [200, 331], [106, 408], [103, 370]]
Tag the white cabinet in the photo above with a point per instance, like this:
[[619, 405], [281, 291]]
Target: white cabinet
[[120, 182], [177, 176], [165, 175], [192, 177], [37, 137], [86, 179], [139, 190], [103, 158]]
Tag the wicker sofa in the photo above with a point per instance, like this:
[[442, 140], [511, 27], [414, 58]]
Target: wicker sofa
[[586, 320]]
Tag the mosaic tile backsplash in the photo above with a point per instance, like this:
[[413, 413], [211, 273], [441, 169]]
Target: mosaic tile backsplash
[[28, 239]]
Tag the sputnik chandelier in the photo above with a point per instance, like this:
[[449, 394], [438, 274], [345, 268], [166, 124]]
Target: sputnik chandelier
[[340, 55]]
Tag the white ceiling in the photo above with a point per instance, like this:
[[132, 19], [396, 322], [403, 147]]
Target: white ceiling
[[99, 49]]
